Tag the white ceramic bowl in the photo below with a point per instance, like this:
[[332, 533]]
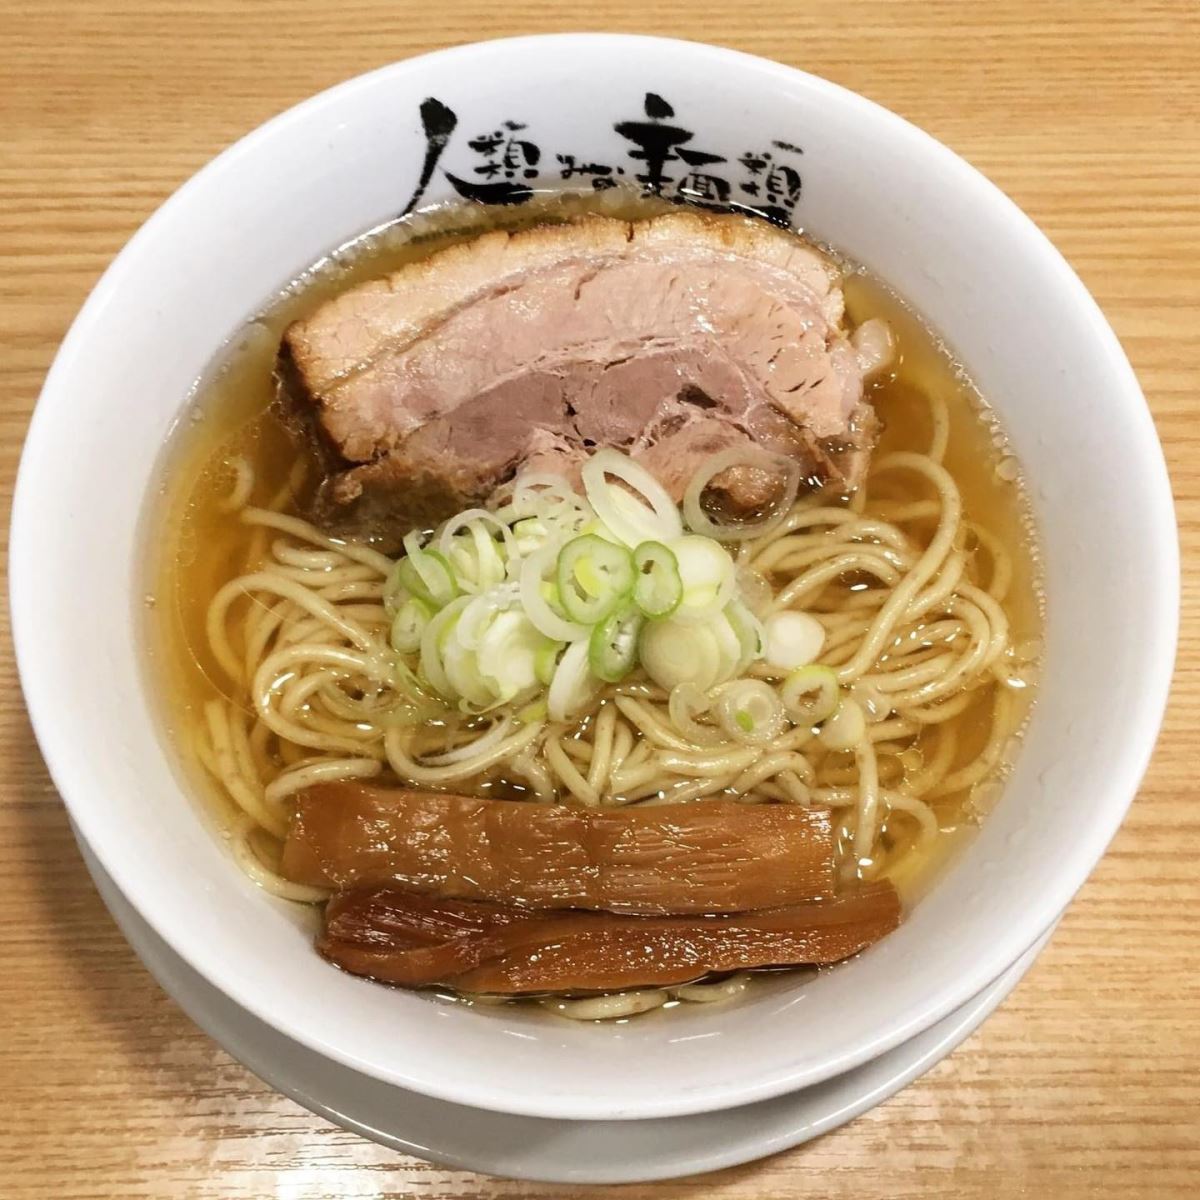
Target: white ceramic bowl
[[888, 194]]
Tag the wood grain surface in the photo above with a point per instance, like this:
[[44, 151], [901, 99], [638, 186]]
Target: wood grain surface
[[1086, 1083]]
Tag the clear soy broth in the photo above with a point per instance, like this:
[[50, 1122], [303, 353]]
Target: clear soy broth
[[196, 545]]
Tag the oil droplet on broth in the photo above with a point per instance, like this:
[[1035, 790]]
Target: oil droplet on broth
[[1029, 649], [1008, 469]]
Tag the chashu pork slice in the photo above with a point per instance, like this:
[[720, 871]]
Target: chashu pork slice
[[666, 337]]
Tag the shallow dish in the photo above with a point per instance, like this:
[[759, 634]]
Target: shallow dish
[[856, 176]]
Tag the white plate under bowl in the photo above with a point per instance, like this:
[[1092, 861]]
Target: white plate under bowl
[[531, 1147]]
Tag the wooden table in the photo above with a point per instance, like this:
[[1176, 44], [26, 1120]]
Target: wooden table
[[1087, 1081]]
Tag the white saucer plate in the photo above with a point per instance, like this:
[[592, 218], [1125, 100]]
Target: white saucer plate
[[528, 1147]]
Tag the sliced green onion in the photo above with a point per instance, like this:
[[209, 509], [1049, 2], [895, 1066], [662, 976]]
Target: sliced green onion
[[426, 574], [545, 661], [593, 577], [404, 581], [729, 649], [507, 655], [675, 653], [598, 527], [810, 695], [462, 670], [684, 704], [478, 613], [749, 711], [707, 575], [409, 624], [754, 591], [641, 511], [394, 591], [748, 630], [535, 491], [470, 547], [529, 533], [551, 501], [874, 346], [613, 646], [657, 588], [432, 640], [846, 728], [438, 576], [793, 639], [537, 607], [535, 710], [785, 468], [477, 559], [573, 684]]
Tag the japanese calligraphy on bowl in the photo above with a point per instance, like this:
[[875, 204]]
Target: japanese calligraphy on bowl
[[657, 154]]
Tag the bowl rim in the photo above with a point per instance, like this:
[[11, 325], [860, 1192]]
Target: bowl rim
[[1162, 596]]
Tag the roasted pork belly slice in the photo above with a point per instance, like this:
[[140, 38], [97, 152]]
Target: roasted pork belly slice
[[593, 333]]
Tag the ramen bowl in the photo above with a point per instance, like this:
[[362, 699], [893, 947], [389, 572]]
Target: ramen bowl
[[491, 123]]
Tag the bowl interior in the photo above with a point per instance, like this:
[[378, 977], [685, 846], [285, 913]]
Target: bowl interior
[[488, 122]]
